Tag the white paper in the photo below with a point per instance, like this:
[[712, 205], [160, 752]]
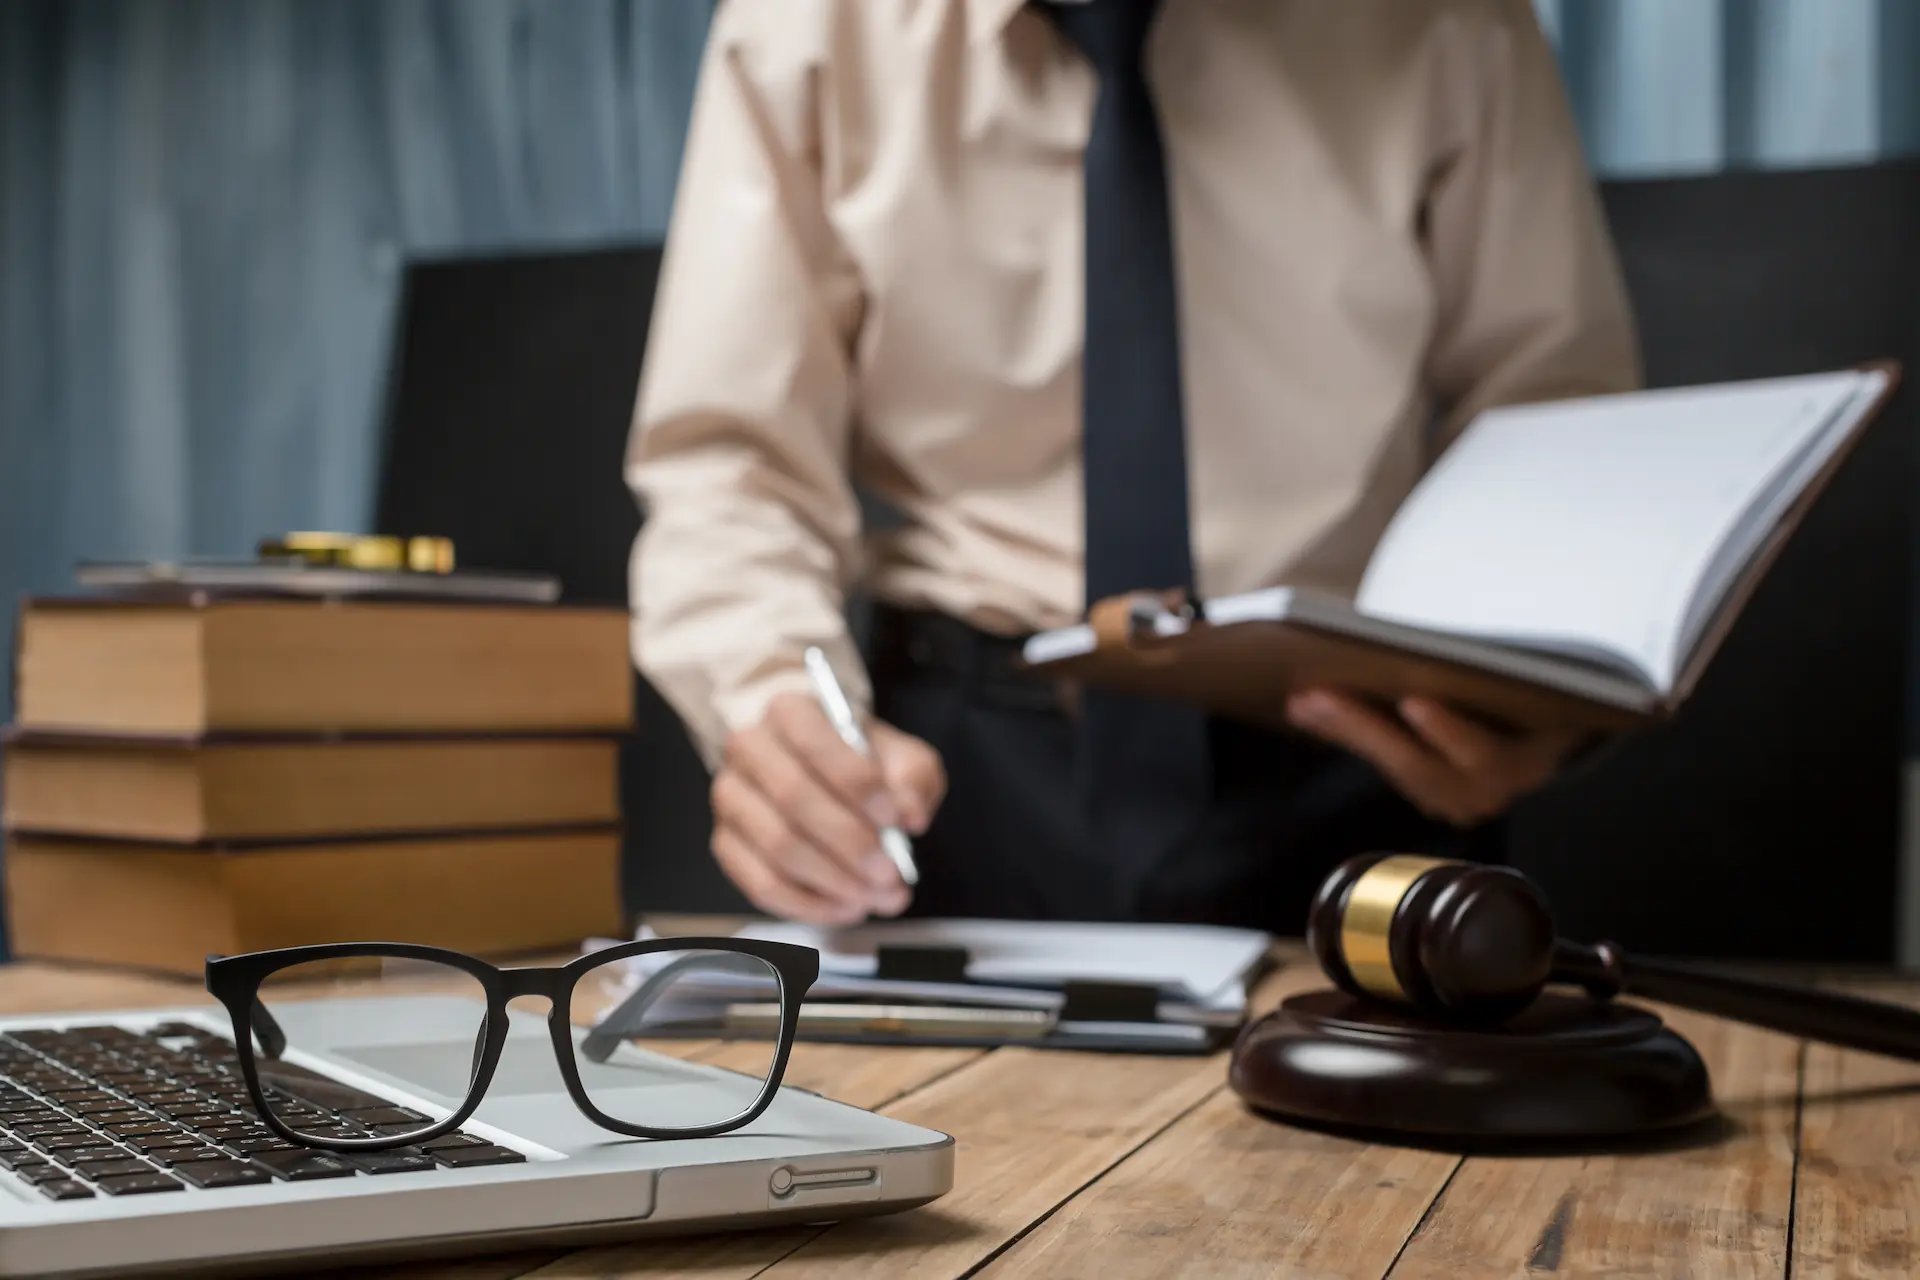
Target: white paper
[[1198, 954], [1600, 526], [1185, 962]]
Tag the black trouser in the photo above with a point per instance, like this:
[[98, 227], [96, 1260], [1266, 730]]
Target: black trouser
[[1010, 842]]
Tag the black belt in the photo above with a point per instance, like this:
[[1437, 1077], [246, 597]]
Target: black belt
[[909, 642]]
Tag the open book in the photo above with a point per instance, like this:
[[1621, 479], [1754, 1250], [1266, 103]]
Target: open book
[[1574, 563]]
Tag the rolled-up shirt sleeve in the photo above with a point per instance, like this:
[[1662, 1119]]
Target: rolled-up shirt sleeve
[[738, 453], [1531, 304]]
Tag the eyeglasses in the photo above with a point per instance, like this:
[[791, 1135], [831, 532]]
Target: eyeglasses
[[664, 989]]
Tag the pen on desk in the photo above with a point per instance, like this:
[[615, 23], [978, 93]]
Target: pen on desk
[[833, 700], [893, 1019]]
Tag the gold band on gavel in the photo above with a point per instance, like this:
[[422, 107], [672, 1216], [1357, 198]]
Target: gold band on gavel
[[363, 551], [1366, 924]]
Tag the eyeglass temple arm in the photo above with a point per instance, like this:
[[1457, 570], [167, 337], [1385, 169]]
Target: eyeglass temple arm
[[625, 1019], [272, 1040], [267, 1034]]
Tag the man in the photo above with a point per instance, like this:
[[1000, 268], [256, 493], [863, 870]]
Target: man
[[1095, 295]]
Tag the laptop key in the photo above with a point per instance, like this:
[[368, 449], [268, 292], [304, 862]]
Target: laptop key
[[141, 1128], [163, 1142], [53, 1129], [395, 1130], [251, 1146], [389, 1162], [105, 1151], [454, 1139], [68, 1141], [223, 1173], [386, 1115], [65, 1189], [181, 1157], [217, 1127], [473, 1157], [41, 1173], [94, 1170], [151, 1088], [204, 1124], [302, 1166], [139, 1184]]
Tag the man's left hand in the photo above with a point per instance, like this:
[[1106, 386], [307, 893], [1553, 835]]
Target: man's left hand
[[1453, 768]]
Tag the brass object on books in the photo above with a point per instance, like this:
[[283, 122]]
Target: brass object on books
[[362, 551]]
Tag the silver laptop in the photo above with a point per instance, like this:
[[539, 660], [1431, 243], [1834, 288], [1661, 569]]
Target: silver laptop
[[87, 1187]]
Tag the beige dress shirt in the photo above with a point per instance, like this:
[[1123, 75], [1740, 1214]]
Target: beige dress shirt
[[873, 279]]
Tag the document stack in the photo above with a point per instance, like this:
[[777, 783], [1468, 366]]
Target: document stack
[[197, 771], [1138, 988]]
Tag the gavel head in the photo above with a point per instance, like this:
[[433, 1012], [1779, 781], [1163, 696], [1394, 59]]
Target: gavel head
[[1457, 940]]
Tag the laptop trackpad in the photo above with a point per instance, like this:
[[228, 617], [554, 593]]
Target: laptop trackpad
[[526, 1067]]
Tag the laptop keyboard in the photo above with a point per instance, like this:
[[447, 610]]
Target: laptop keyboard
[[105, 1110]]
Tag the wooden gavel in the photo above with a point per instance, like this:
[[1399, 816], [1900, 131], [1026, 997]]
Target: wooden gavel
[[1475, 944]]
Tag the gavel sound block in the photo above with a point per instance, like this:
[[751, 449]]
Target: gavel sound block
[[1440, 1025], [1438, 1028]]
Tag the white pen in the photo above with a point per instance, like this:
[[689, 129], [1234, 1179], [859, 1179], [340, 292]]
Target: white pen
[[833, 700]]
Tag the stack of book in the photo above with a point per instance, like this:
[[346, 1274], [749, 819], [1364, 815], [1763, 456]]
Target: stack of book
[[202, 773]]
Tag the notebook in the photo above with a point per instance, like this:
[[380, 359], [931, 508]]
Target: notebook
[[1573, 563]]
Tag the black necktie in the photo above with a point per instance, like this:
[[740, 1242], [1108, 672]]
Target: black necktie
[[1144, 768]]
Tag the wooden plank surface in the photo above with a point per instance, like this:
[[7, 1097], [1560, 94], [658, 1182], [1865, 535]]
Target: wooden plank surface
[[504, 1266], [1716, 1204], [1857, 1202], [864, 1077], [1115, 1166], [1226, 1194], [1035, 1127], [41, 988], [1038, 1126]]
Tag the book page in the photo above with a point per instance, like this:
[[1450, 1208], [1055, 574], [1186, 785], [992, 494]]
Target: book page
[[1596, 524]]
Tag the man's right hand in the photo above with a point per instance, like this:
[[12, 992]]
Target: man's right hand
[[797, 813]]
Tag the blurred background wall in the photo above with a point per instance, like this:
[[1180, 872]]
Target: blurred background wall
[[205, 206], [205, 209]]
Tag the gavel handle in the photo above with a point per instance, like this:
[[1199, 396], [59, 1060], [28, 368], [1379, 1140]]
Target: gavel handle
[[1850, 1021]]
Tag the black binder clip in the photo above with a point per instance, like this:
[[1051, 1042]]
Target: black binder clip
[[898, 963], [1110, 1002]]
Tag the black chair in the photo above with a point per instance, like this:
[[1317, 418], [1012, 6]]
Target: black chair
[[1765, 820], [508, 408]]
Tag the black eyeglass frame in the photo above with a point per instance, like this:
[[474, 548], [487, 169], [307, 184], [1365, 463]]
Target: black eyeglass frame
[[235, 981]]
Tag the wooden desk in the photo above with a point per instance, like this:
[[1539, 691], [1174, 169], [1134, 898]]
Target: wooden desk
[[1120, 1167]]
